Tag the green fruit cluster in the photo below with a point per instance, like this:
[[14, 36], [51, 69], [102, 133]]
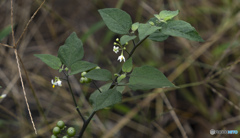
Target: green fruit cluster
[[59, 128], [84, 79]]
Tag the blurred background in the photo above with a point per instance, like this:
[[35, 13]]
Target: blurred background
[[207, 74]]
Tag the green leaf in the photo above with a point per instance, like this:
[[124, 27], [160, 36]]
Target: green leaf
[[135, 26], [5, 32], [167, 15], [99, 74], [105, 99], [52, 61], [126, 38], [181, 29], [158, 36], [121, 77], [116, 20], [81, 66], [146, 29], [127, 66], [147, 77], [72, 50]]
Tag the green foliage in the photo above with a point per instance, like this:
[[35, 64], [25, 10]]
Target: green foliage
[[181, 29], [135, 26], [81, 66], [116, 20], [105, 99], [147, 77], [158, 36], [50, 60], [127, 66], [126, 38], [121, 77], [71, 51], [146, 29], [99, 74], [5, 32], [166, 15]]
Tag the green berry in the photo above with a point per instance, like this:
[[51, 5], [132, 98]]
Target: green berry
[[71, 131], [53, 136], [65, 136], [82, 80], [117, 39], [56, 130], [97, 67], [87, 80], [83, 73], [60, 124]]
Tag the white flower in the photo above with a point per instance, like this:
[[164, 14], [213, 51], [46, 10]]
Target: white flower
[[56, 82], [115, 49], [3, 96], [121, 57]]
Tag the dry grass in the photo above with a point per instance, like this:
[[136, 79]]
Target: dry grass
[[207, 73]]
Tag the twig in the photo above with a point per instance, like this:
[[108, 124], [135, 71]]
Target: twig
[[174, 115], [13, 36], [24, 92], [25, 29], [6, 45]]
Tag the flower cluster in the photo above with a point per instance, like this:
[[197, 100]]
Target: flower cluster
[[118, 46], [57, 81]]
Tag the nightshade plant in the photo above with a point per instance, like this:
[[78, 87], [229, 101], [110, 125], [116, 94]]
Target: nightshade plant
[[69, 60]]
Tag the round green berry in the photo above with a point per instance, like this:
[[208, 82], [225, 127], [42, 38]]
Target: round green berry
[[71, 131], [53, 136], [97, 67], [83, 73], [56, 130], [87, 80], [60, 124], [65, 136]]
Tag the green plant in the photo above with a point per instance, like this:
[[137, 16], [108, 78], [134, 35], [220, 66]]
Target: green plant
[[69, 59]]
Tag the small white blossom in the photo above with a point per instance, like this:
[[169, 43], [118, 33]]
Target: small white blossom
[[115, 49], [56, 82], [3, 96], [121, 57]]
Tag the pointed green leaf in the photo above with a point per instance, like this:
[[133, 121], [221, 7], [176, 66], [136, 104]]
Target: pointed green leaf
[[181, 29], [126, 38], [72, 50], [81, 66], [50, 60], [158, 36], [147, 77], [99, 74], [116, 20], [167, 15], [105, 99], [5, 32], [146, 29], [127, 66]]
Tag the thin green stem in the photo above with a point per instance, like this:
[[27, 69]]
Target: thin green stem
[[74, 100]]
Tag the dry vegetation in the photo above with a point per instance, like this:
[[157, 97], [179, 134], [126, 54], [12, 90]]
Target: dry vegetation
[[207, 73]]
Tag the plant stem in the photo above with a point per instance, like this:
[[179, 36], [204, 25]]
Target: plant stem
[[74, 100], [130, 55], [85, 123]]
